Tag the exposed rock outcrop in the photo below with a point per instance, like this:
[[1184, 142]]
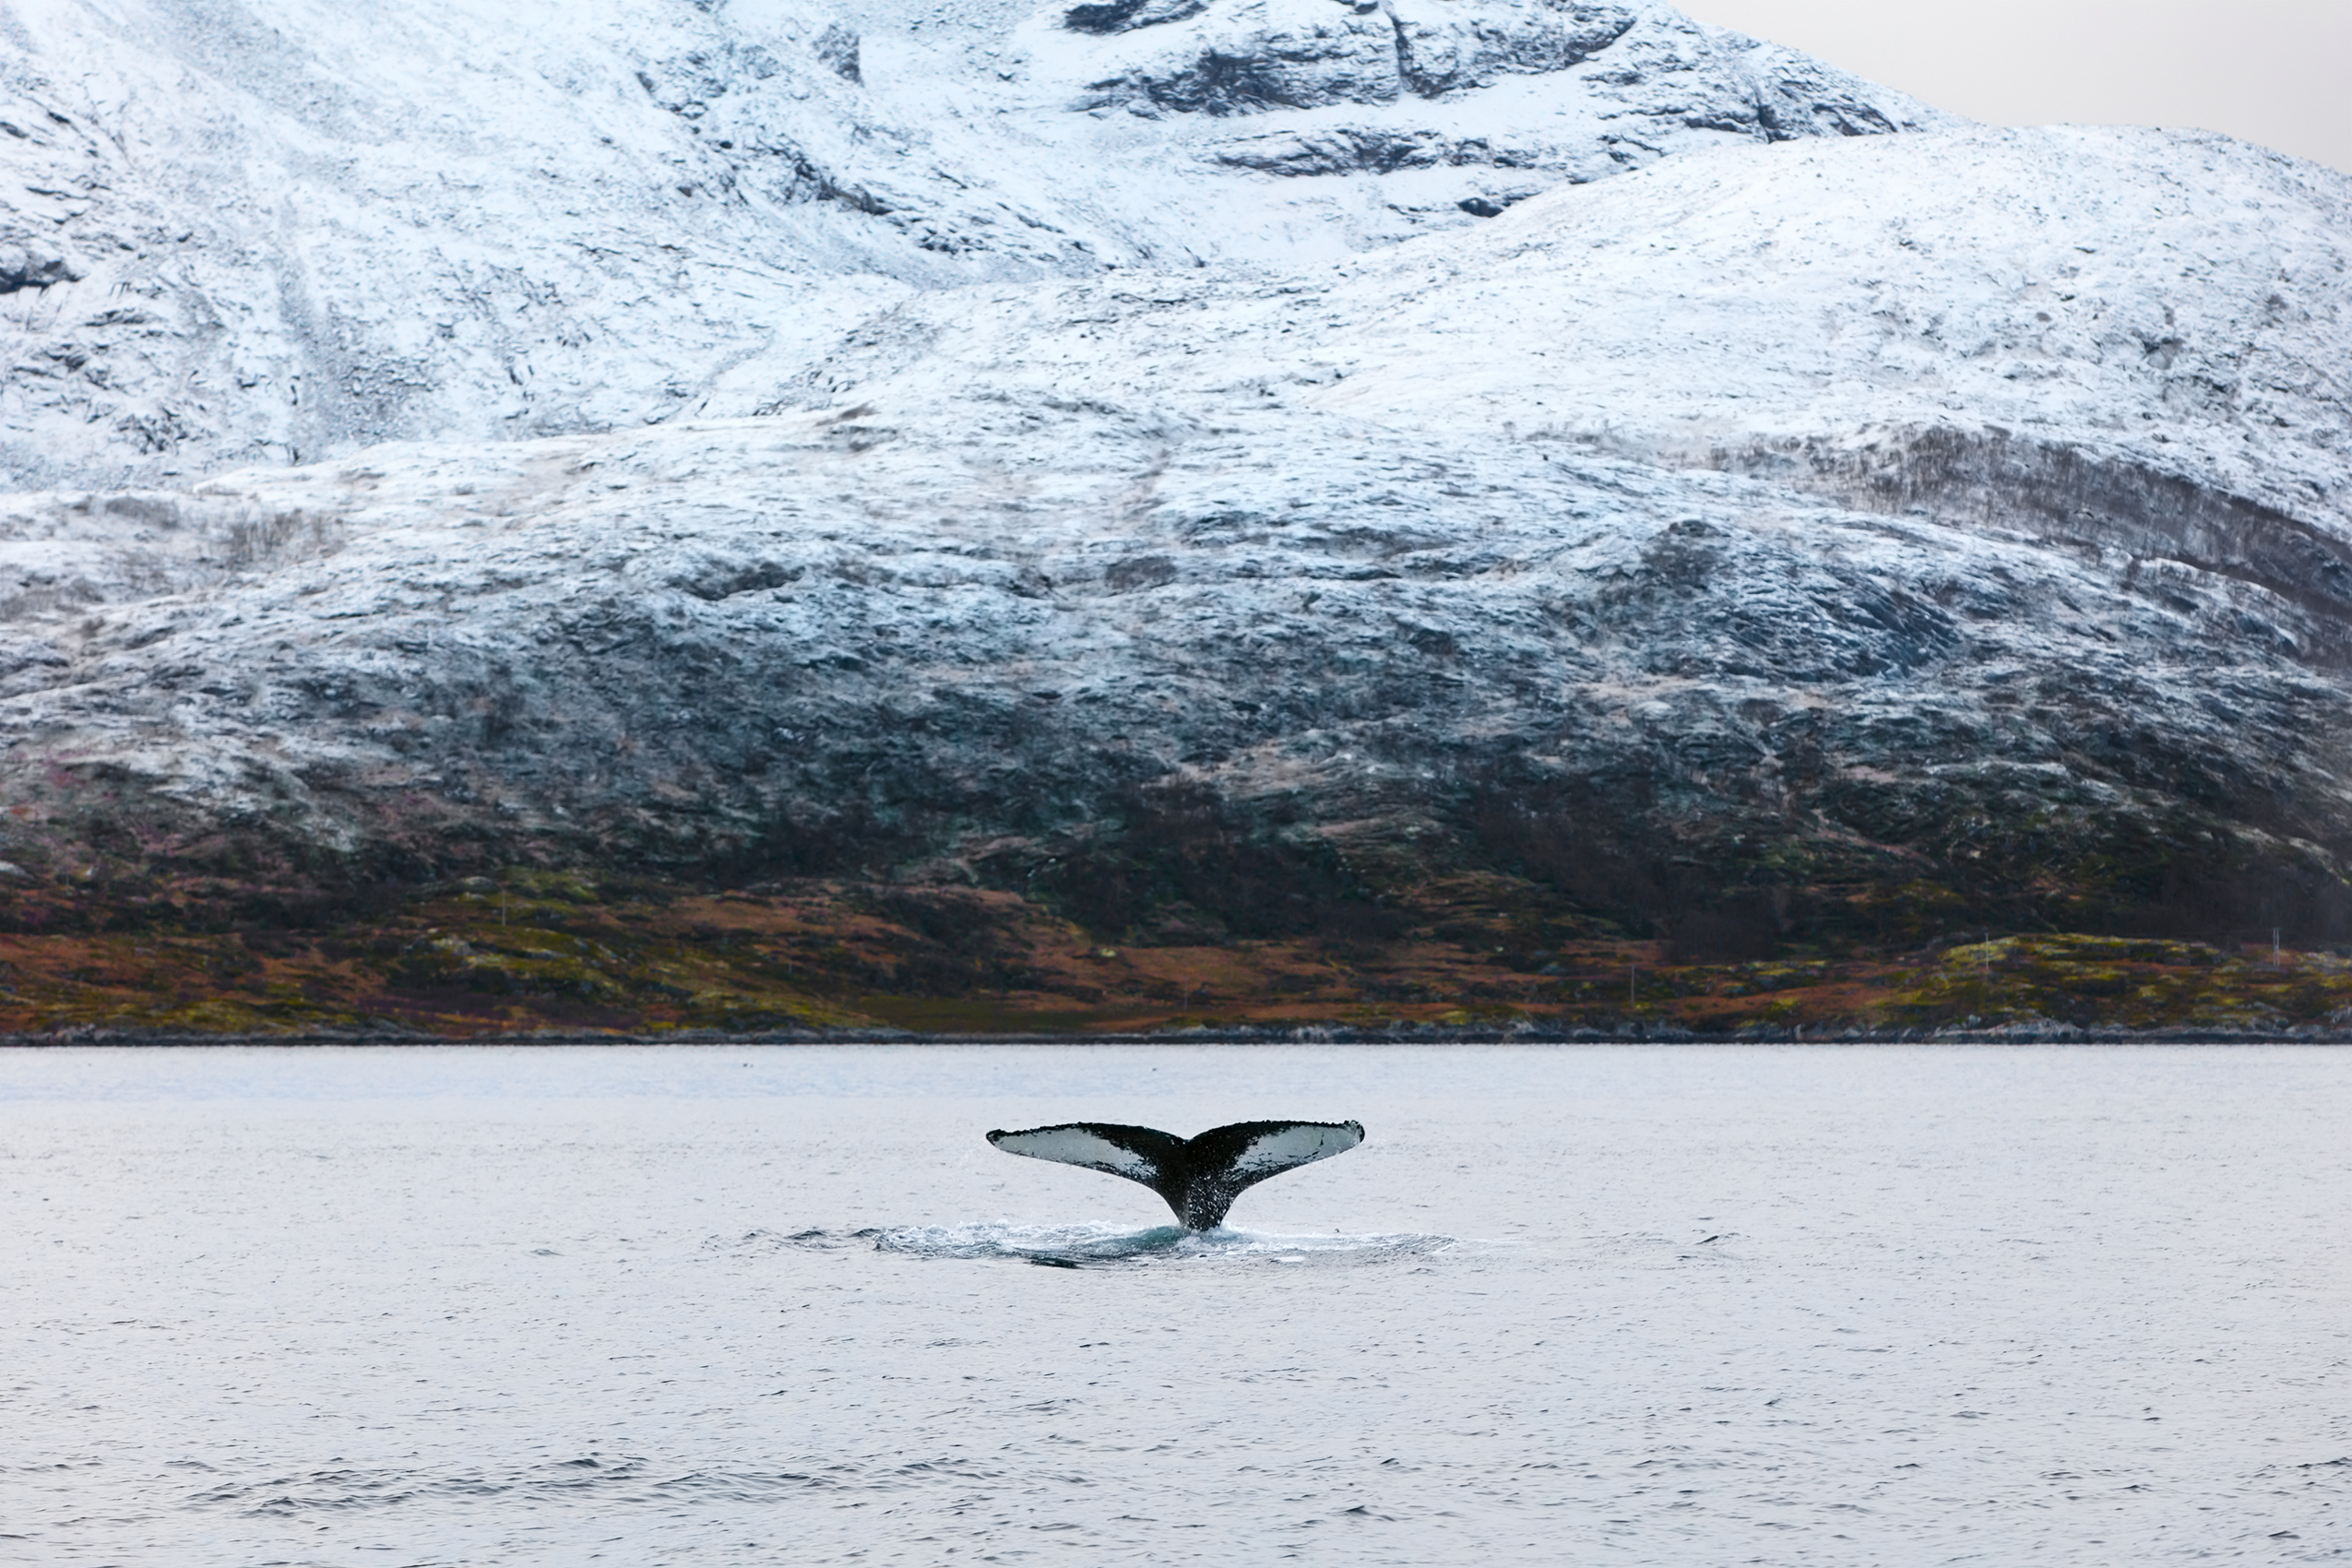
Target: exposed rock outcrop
[[1247, 56]]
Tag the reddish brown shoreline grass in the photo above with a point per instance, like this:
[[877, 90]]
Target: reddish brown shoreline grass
[[538, 953]]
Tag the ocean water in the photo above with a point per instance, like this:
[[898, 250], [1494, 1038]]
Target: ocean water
[[1674, 1305]]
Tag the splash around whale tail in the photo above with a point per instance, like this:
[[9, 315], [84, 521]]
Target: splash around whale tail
[[1199, 1176]]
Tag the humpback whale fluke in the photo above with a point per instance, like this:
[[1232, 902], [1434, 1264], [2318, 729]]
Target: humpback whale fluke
[[1199, 1176]]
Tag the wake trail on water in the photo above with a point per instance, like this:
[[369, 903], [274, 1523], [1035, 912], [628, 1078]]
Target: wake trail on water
[[1101, 1245]]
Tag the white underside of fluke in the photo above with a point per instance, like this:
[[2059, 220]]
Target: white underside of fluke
[[1076, 1146], [1300, 1144], [1199, 1176]]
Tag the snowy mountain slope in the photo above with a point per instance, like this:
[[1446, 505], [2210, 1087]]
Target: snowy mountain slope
[[820, 643], [1981, 322], [269, 230], [1732, 542]]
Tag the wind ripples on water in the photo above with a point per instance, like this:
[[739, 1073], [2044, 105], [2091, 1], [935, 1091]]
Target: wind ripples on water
[[583, 1482]]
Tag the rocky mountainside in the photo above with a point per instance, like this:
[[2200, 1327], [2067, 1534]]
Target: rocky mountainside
[[1211, 474]]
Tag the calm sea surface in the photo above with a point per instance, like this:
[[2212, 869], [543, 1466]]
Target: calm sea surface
[[1674, 1305]]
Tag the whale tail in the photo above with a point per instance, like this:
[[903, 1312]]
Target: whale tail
[[1199, 1176]]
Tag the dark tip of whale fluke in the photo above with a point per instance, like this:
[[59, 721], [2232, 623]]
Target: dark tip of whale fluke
[[1199, 1176]]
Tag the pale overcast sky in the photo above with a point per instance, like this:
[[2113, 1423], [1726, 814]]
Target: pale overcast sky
[[2278, 72]]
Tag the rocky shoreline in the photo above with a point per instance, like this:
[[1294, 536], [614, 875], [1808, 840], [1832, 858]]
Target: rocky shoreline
[[547, 955], [2055, 1034]]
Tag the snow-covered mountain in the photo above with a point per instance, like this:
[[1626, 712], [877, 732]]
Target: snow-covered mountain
[[272, 230], [1232, 460]]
